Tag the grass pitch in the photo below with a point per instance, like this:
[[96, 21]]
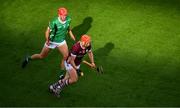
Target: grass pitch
[[136, 42]]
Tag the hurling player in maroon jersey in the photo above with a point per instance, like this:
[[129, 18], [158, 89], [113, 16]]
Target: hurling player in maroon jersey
[[72, 64]]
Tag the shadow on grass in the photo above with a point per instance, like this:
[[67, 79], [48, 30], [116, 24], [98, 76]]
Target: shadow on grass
[[83, 28], [80, 29], [104, 51], [101, 54]]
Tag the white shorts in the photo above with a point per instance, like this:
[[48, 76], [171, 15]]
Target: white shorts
[[53, 45], [69, 66]]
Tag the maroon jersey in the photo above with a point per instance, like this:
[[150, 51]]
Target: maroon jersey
[[78, 52]]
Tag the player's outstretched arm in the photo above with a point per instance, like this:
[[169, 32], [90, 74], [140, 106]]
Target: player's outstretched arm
[[71, 61], [47, 35], [72, 35], [91, 57]]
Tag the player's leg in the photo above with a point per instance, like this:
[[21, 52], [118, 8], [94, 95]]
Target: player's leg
[[63, 49], [79, 71], [41, 55], [70, 78], [73, 77], [44, 52], [71, 74], [58, 86], [55, 88], [66, 75]]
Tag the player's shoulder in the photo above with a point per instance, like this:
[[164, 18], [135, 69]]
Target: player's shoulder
[[76, 46], [54, 20], [68, 18]]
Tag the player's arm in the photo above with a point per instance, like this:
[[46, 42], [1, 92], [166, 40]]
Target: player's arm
[[49, 29], [71, 61], [47, 35], [71, 34], [91, 57]]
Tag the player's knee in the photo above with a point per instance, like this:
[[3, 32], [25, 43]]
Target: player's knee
[[74, 80], [41, 56]]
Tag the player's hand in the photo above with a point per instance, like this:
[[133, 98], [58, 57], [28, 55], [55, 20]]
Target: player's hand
[[47, 43], [93, 65]]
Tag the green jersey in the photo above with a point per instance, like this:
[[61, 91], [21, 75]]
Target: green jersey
[[58, 29]]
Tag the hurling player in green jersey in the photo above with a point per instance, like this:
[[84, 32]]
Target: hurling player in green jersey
[[55, 37]]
